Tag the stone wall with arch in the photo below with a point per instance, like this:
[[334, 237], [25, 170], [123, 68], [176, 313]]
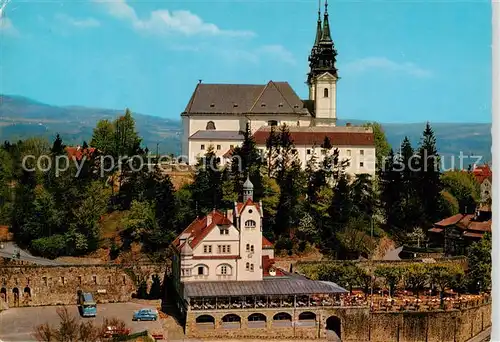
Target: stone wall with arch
[[352, 324], [33, 285]]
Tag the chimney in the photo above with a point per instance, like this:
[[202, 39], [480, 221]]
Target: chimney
[[229, 215], [348, 124], [209, 219]]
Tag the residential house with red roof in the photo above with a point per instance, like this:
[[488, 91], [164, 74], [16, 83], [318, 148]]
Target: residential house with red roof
[[483, 175], [225, 246], [217, 114], [457, 232]]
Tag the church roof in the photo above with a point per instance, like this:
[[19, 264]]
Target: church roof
[[339, 136], [270, 98], [217, 135]]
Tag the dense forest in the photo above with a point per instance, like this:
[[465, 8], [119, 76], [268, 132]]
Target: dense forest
[[55, 212]]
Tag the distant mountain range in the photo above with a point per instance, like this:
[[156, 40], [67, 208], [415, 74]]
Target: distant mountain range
[[21, 118]]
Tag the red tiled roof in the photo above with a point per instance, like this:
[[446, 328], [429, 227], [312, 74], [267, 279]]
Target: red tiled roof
[[240, 206], [228, 153], [474, 235], [317, 138], [78, 152], [198, 229], [267, 263], [436, 230], [266, 243], [449, 221], [484, 226], [464, 223], [215, 257], [482, 172]]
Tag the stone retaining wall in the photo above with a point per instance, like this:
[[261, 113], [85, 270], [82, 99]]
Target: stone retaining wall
[[58, 285], [357, 324]]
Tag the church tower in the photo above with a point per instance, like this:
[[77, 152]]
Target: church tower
[[322, 77]]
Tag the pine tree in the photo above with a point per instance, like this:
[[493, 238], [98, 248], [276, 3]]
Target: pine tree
[[410, 204], [391, 192], [58, 148], [429, 177], [247, 161], [272, 147], [207, 185]]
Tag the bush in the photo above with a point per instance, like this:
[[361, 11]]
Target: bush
[[49, 247]]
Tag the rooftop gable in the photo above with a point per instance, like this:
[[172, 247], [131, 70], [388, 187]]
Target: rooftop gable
[[200, 227], [245, 98]]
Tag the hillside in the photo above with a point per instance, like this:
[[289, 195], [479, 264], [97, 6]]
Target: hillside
[[22, 117]]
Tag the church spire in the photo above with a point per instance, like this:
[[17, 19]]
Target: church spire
[[325, 36], [318, 28]]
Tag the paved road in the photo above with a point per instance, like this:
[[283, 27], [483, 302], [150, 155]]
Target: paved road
[[393, 254], [10, 248], [17, 324]]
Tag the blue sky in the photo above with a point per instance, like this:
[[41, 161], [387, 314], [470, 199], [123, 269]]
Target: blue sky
[[399, 61]]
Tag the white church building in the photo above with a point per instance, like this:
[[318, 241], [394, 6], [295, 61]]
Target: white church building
[[217, 114]]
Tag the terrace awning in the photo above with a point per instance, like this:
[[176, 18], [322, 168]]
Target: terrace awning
[[266, 287]]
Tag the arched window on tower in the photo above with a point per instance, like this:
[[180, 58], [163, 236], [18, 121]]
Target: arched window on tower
[[210, 125], [325, 92]]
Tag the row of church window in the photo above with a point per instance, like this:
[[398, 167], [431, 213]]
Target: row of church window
[[219, 147]]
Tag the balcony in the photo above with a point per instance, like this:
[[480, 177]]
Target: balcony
[[224, 277], [200, 277]]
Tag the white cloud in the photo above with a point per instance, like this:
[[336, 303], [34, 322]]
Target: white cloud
[[255, 56], [80, 23], [370, 63], [277, 52], [164, 21], [6, 27]]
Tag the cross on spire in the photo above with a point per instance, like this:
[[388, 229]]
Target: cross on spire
[[326, 37]]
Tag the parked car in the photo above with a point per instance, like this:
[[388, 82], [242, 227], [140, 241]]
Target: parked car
[[145, 315]]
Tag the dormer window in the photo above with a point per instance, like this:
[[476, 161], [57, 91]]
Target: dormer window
[[212, 105], [210, 126], [262, 104], [224, 231], [280, 105], [296, 106], [235, 105]]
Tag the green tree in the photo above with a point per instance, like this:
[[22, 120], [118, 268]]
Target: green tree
[[415, 277], [247, 161], [103, 137], [207, 185], [140, 220], [429, 177], [127, 141], [443, 277], [390, 193], [479, 260], [464, 188], [392, 276], [382, 147]]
